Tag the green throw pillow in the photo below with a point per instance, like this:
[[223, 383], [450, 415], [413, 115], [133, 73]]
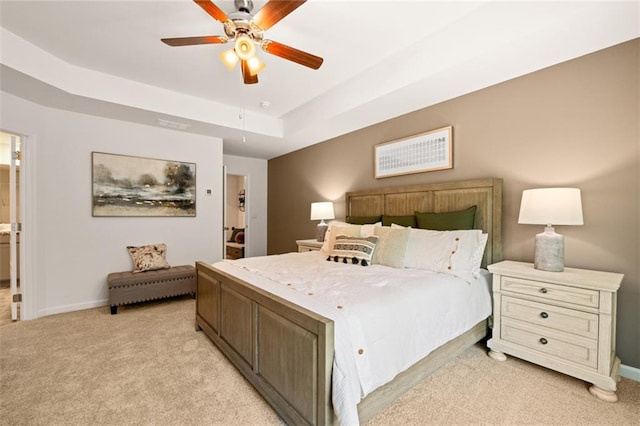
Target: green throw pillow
[[447, 221], [400, 220], [362, 220]]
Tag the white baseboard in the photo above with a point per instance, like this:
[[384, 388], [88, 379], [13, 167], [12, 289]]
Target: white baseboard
[[630, 372], [70, 308]]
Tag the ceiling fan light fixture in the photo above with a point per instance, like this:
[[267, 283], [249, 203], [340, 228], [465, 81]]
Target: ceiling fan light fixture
[[245, 30], [244, 47], [229, 58], [255, 65]]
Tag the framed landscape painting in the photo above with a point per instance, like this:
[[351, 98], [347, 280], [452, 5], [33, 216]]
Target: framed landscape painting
[[136, 186]]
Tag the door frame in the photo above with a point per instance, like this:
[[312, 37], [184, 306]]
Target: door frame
[[247, 206], [14, 232], [28, 307]]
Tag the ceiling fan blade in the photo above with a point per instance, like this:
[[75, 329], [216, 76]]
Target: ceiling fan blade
[[213, 10], [246, 74], [291, 54], [274, 11], [190, 41]]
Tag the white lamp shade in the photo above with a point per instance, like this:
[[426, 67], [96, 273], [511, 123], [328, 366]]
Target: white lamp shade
[[255, 65], [244, 47], [229, 58], [551, 206], [322, 210]]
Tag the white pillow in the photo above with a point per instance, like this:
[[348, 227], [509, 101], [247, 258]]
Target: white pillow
[[369, 229], [338, 228], [469, 250], [430, 250], [391, 246], [457, 253], [325, 245]]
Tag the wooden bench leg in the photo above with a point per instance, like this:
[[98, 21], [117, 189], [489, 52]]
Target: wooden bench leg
[[114, 310]]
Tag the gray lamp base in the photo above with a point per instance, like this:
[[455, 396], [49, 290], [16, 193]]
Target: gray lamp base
[[321, 231], [549, 251]]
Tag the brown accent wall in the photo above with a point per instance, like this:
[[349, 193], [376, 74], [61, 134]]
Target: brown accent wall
[[574, 124]]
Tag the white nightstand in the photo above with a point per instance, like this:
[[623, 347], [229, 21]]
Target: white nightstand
[[308, 245], [565, 321]]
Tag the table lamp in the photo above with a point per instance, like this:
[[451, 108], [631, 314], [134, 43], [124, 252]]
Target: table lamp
[[321, 211], [550, 206]]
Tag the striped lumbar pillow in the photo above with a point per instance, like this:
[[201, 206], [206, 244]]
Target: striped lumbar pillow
[[353, 249]]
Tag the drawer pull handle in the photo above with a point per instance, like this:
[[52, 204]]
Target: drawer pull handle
[[544, 315], [543, 290], [543, 341]]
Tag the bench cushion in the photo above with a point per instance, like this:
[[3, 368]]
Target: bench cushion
[[129, 287]]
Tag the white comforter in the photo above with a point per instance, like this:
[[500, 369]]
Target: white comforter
[[385, 319]]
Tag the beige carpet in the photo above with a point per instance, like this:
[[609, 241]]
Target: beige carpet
[[5, 303], [148, 366]]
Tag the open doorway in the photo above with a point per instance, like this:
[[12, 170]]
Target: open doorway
[[9, 236], [235, 216]]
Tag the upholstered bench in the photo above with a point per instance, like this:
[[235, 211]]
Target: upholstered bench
[[133, 287]]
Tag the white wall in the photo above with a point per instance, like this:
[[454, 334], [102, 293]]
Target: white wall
[[256, 201], [69, 252]]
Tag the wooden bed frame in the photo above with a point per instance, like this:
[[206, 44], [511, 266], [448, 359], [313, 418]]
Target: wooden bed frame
[[286, 351]]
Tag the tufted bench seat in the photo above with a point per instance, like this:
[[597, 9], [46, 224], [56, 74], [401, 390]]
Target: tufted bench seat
[[129, 287]]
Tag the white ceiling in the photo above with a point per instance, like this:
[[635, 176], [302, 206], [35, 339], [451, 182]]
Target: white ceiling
[[381, 59]]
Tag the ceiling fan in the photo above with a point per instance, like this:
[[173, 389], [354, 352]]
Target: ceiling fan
[[246, 31]]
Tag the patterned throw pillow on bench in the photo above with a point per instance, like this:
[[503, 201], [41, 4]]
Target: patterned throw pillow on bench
[[148, 258]]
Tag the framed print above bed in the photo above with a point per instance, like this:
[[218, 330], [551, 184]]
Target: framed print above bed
[[124, 185], [424, 152]]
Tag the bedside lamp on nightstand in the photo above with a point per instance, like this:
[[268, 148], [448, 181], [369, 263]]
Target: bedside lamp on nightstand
[[550, 206], [321, 211]]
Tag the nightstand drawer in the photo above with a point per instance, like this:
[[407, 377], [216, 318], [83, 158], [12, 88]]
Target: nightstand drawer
[[309, 245], [235, 252], [551, 292], [565, 346], [556, 317]]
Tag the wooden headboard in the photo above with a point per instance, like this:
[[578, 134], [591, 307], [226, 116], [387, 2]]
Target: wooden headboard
[[486, 194]]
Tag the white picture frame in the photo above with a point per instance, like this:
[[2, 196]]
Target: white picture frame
[[424, 152]]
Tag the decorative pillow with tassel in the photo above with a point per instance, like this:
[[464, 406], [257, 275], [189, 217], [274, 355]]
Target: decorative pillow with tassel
[[354, 250]]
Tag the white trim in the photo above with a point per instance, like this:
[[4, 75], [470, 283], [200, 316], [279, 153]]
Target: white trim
[[28, 216], [27, 184], [37, 63], [629, 372], [224, 211], [248, 248], [75, 307]]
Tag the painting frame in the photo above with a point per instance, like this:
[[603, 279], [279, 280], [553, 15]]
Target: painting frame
[[424, 152], [131, 186]]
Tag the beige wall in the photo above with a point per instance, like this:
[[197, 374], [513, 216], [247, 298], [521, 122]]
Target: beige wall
[[574, 124]]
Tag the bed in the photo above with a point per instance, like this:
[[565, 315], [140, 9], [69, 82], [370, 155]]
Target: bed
[[289, 351]]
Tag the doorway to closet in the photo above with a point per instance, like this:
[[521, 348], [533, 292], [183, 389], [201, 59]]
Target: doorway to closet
[[235, 224], [10, 149]]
